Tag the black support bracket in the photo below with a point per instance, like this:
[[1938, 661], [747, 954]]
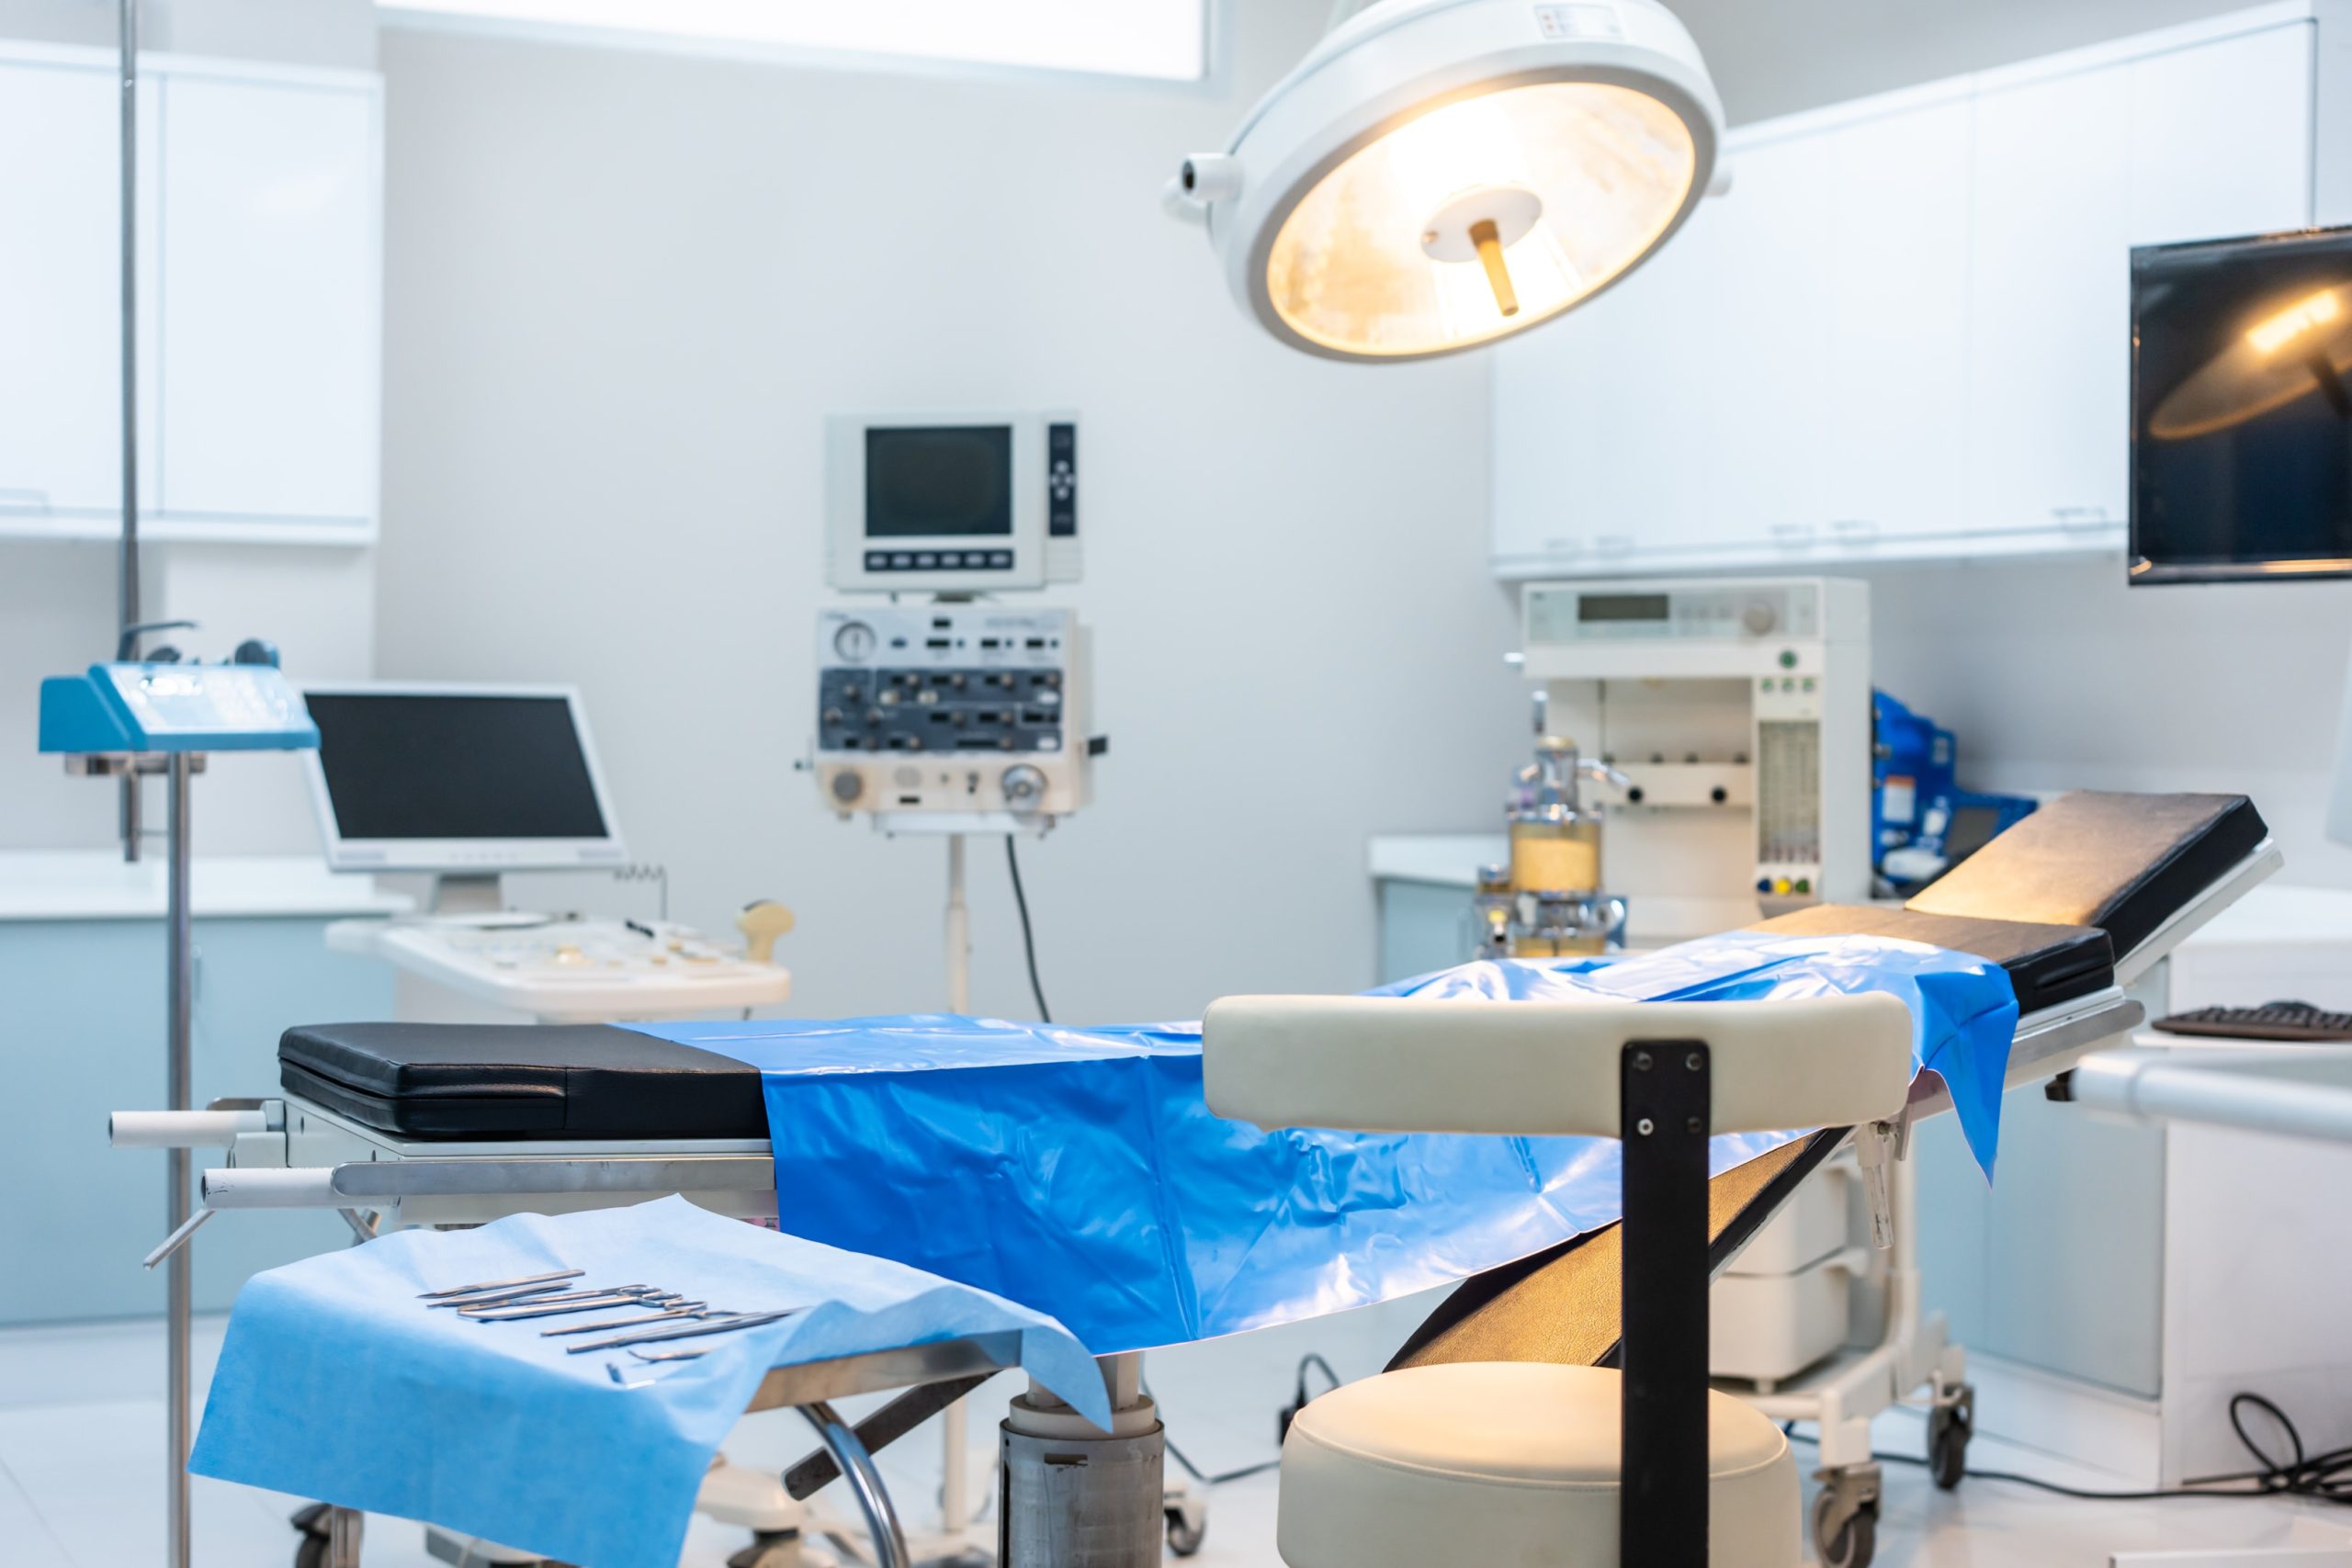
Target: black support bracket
[[1666, 1098]]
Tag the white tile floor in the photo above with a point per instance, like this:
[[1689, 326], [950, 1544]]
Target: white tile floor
[[81, 1455]]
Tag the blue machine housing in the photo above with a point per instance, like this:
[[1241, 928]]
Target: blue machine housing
[[174, 707], [1919, 814]]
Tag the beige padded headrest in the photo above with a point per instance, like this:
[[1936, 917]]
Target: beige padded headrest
[[1455, 1064]]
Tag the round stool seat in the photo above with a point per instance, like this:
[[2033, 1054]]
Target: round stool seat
[[1508, 1465]]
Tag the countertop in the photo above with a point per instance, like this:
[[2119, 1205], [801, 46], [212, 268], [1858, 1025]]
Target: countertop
[[95, 884], [1450, 860]]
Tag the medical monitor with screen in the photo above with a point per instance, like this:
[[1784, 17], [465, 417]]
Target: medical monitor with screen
[[457, 779], [2241, 413]]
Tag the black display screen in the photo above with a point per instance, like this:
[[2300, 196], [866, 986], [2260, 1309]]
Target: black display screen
[[939, 481], [2241, 413], [1622, 607], [418, 765]]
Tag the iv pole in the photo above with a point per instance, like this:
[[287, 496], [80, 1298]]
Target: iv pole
[[179, 770], [128, 608]]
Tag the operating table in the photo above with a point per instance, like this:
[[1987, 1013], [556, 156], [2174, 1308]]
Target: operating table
[[402, 1124]]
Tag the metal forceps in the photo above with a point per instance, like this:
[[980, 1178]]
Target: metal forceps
[[499, 1284], [727, 1323], [672, 1311], [556, 1306]]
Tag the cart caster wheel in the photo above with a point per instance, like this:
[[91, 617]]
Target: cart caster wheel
[[1848, 1542], [1948, 1429], [1188, 1524]]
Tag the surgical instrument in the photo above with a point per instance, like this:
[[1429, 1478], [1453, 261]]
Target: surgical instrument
[[689, 1355], [682, 1309], [499, 1284], [532, 1295], [733, 1321], [496, 1298], [522, 1310]]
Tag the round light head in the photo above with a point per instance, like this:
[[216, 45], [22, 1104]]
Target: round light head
[[1439, 174]]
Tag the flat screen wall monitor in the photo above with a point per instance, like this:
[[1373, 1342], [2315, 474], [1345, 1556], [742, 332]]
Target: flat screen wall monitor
[[2241, 411]]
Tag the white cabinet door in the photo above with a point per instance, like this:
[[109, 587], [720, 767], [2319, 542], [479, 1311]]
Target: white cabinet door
[[2221, 139], [1590, 417], [1763, 309], [1677, 417], [60, 293], [2050, 304], [269, 330], [1892, 445]]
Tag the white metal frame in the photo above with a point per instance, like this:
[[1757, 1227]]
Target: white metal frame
[[483, 857]]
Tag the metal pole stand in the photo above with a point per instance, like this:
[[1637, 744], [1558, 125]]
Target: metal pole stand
[[953, 1542], [1071, 1496]]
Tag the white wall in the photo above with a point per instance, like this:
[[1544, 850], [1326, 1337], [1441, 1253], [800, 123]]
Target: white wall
[[1792, 54], [2060, 675], [624, 290]]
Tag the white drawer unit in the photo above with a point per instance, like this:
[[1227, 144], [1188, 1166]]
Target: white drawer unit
[[259, 256], [1904, 331]]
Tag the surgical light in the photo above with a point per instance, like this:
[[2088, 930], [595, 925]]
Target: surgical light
[[1439, 174]]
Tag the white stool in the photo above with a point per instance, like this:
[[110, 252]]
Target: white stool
[[1503, 1465], [1512, 1465]]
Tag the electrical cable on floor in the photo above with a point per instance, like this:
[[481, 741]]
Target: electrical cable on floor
[[2326, 1477], [1028, 937], [1247, 1471]]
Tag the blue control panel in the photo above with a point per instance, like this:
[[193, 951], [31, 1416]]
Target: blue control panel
[[174, 707]]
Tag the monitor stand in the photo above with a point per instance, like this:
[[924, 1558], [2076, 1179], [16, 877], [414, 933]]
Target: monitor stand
[[460, 894]]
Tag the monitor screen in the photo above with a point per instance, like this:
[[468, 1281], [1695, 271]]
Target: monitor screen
[[454, 765], [939, 482], [2241, 413]]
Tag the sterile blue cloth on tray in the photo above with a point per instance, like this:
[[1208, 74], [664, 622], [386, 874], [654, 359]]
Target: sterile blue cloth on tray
[[1081, 1172], [336, 1382]]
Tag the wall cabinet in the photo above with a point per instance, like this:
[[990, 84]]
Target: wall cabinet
[[259, 218], [1906, 330]]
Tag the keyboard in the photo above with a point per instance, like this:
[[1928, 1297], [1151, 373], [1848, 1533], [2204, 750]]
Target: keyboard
[[2275, 1020]]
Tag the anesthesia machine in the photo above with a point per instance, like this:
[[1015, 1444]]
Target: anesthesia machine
[[1731, 719]]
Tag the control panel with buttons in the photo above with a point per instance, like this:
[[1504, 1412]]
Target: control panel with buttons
[[952, 709]]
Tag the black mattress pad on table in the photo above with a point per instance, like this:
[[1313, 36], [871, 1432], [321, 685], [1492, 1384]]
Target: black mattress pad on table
[[2053, 901]]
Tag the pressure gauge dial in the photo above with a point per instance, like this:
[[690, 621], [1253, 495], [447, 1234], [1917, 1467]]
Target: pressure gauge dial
[[1025, 788], [855, 642]]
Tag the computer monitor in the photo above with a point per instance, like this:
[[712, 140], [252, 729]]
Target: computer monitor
[[2241, 408], [465, 780]]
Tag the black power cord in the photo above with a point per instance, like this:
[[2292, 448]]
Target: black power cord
[[1028, 937], [1282, 1420], [2326, 1477]]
